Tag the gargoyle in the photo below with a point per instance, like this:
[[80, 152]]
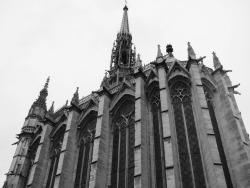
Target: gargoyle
[[231, 89], [225, 71]]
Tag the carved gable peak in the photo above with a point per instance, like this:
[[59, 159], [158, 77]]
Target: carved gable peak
[[125, 85], [177, 70]]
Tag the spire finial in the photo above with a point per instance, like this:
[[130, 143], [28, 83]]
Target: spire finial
[[191, 53], [216, 61], [47, 83], [159, 54], [75, 98], [125, 26]]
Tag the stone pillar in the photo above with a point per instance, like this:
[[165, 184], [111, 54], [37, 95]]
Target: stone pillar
[[209, 149], [100, 159], [38, 170], [141, 150], [65, 170], [231, 131], [166, 127]]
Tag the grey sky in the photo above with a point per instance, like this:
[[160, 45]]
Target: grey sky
[[71, 41]]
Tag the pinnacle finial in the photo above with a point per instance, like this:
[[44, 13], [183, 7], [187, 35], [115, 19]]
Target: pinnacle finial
[[191, 53], [75, 98], [51, 109], [125, 26], [138, 58], [159, 54], [216, 61]]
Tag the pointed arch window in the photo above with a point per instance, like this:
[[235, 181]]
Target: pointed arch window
[[158, 144], [86, 140], [32, 155], [210, 105], [122, 172], [55, 155], [191, 167]]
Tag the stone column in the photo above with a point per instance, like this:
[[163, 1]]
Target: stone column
[[209, 149], [166, 127], [141, 150], [100, 159], [237, 150], [65, 170]]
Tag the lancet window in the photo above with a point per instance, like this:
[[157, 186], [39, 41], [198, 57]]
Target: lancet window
[[158, 144], [122, 172], [222, 155], [191, 167], [86, 139], [32, 155], [57, 140]]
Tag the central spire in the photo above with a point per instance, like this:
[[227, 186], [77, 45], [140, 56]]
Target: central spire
[[125, 26], [123, 57]]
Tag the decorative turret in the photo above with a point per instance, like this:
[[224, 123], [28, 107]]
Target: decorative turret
[[191, 53], [75, 98], [216, 61], [39, 108]]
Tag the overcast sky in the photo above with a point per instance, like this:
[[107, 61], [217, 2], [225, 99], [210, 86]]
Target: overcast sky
[[71, 42]]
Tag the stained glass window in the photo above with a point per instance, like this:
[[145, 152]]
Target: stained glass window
[[191, 166], [157, 132], [223, 160], [54, 157], [122, 172], [86, 139]]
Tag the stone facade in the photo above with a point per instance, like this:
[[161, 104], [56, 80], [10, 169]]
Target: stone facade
[[168, 124]]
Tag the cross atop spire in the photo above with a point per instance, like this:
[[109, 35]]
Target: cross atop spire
[[124, 26]]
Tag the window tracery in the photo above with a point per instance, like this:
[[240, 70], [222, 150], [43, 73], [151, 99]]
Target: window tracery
[[158, 145], [54, 157], [187, 140], [210, 104], [86, 137], [122, 172]]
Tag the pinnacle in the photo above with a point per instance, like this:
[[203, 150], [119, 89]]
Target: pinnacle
[[216, 61], [191, 53], [159, 53], [75, 98], [51, 109]]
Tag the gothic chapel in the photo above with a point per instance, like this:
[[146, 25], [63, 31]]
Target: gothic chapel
[[169, 124]]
